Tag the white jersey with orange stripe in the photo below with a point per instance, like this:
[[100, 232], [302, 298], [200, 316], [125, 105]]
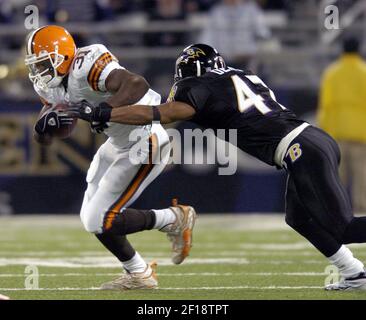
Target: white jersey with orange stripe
[[86, 81]]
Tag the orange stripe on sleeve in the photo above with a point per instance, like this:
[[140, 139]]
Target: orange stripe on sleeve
[[97, 69]]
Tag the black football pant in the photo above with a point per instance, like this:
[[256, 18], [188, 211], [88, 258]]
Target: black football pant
[[317, 205]]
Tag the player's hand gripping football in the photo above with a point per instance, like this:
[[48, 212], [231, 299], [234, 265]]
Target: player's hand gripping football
[[98, 127], [52, 119], [93, 114]]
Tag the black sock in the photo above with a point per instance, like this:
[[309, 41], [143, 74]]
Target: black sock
[[131, 221], [319, 237], [355, 231], [118, 245]]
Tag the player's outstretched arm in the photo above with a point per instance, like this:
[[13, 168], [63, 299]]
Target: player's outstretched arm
[[133, 115], [127, 87], [165, 113]]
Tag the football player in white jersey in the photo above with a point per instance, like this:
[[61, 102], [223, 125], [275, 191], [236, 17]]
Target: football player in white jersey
[[64, 74]]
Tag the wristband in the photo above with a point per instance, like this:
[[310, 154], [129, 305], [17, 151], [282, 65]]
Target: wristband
[[156, 113], [105, 112]]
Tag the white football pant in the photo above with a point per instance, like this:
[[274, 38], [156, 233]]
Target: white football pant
[[115, 182]]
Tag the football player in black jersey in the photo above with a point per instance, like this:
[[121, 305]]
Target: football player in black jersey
[[216, 96]]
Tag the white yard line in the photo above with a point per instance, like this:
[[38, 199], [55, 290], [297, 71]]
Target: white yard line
[[87, 248], [172, 288], [247, 287], [205, 221], [111, 262], [162, 274], [165, 255], [107, 261]]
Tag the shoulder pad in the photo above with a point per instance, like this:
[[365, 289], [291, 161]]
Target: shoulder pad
[[188, 82], [182, 85]]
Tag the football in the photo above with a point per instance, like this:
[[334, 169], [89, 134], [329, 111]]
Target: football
[[65, 130]]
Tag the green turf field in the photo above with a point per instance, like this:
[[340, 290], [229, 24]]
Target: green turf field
[[234, 257]]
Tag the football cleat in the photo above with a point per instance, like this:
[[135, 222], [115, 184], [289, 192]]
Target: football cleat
[[134, 280], [355, 283], [180, 232]]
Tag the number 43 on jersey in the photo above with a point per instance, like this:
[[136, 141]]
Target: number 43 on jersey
[[247, 98]]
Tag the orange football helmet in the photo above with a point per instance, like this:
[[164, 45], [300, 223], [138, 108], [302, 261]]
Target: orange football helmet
[[50, 52]]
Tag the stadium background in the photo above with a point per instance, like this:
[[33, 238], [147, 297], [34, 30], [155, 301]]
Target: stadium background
[[146, 36]]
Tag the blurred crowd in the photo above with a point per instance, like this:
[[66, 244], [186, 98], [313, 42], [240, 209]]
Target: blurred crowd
[[12, 11], [234, 27], [84, 11]]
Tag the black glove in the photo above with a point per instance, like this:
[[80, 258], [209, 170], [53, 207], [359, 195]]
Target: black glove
[[52, 119], [98, 127], [84, 110]]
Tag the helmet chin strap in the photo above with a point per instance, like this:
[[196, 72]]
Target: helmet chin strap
[[47, 82]]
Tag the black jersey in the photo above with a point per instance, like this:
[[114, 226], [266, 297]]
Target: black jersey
[[236, 99]]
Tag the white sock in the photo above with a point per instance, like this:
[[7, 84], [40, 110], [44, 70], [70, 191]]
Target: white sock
[[135, 264], [163, 218], [347, 265]]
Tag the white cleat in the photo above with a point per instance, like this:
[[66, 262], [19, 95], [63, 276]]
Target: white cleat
[[137, 280], [180, 232], [355, 283], [2, 297]]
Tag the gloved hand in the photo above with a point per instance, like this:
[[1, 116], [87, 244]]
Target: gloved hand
[[85, 111], [98, 127], [52, 119]]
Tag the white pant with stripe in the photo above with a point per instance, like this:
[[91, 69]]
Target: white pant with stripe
[[115, 182]]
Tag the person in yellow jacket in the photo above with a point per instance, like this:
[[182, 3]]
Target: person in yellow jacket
[[342, 113]]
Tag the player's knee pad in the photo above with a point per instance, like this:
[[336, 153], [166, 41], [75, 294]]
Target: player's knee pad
[[91, 225], [92, 220], [99, 221]]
